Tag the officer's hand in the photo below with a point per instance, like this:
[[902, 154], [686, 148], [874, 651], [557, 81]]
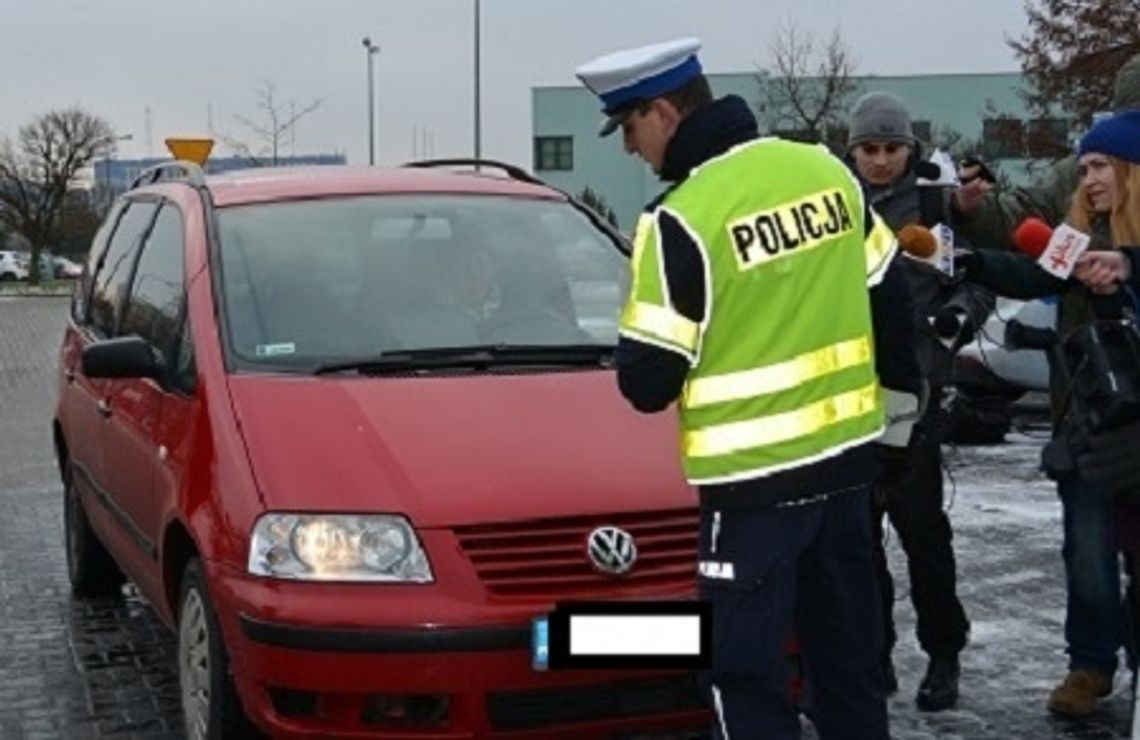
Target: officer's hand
[[1111, 460]]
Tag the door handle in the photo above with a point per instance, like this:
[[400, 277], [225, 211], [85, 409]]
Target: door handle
[[69, 376], [104, 408]]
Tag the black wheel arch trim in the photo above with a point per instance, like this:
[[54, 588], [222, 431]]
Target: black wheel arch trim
[[350, 640]]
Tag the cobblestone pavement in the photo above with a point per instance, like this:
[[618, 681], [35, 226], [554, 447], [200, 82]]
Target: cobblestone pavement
[[106, 669]]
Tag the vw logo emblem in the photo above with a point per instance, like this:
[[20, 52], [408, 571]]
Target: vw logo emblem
[[611, 550]]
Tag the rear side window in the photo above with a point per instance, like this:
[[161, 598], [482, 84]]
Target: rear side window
[[113, 268], [154, 309]]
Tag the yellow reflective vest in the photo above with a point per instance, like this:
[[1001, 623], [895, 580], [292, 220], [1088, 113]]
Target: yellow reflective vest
[[782, 363]]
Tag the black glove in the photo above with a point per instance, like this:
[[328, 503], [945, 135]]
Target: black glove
[[967, 262], [1111, 460]]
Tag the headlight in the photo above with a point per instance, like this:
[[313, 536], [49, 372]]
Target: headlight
[[338, 547]]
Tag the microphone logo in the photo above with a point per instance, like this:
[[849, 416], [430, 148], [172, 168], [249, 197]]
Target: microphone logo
[[1064, 249], [1061, 256]]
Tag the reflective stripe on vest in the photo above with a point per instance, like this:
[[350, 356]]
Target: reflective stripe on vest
[[724, 439], [666, 325], [704, 391], [880, 247]]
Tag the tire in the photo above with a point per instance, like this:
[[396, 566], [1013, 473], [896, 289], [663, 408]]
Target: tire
[[8, 277], [210, 706], [91, 570]]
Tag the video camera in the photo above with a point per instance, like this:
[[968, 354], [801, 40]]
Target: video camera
[[1099, 368]]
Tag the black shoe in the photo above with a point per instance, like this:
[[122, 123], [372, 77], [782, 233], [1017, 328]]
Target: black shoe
[[889, 677], [939, 688]]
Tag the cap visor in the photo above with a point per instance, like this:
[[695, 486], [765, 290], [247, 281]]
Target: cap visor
[[612, 123]]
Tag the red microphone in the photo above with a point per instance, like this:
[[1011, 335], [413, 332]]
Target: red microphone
[[1032, 237]]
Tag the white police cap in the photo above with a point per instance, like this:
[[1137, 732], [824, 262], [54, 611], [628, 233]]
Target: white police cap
[[626, 77]]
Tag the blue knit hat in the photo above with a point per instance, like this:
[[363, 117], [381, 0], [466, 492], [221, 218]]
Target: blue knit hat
[[1117, 136]]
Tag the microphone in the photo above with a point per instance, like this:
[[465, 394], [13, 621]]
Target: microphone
[[955, 326], [917, 241], [1056, 250], [948, 321], [1032, 237]]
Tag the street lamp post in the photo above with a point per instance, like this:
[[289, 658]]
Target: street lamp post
[[478, 91], [108, 158], [371, 50]]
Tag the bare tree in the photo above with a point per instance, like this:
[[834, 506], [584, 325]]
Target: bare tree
[[276, 121], [1072, 51], [955, 143], [808, 90], [594, 200], [39, 168]]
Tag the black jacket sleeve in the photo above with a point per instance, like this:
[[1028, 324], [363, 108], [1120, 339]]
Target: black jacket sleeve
[[1014, 275], [1132, 254], [892, 320], [651, 377]]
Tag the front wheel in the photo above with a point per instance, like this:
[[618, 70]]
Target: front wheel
[[210, 706]]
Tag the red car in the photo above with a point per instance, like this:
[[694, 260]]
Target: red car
[[350, 431]]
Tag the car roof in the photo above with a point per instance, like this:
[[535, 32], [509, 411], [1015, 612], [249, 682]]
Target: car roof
[[265, 185]]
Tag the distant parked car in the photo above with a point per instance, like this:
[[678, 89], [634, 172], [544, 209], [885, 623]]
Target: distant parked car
[[11, 268], [990, 376], [66, 268], [47, 266]]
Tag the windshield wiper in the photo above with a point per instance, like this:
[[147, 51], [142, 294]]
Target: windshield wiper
[[478, 357]]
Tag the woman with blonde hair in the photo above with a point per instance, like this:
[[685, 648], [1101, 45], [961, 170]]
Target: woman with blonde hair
[[1110, 183], [1107, 470]]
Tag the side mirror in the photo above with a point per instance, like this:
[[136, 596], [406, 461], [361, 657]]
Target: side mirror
[[122, 357]]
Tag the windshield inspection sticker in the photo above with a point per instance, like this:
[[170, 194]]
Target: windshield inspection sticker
[[276, 350]]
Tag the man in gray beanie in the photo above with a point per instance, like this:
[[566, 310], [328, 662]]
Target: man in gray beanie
[[880, 116], [879, 128], [886, 158]]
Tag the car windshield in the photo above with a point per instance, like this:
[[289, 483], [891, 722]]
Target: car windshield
[[306, 284]]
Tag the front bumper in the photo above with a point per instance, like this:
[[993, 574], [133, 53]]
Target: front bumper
[[299, 676]]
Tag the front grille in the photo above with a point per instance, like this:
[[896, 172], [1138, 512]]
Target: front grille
[[528, 710], [547, 559]]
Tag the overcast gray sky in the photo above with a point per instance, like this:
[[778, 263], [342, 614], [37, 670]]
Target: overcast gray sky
[[186, 58]]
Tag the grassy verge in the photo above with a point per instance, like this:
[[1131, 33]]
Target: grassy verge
[[46, 287]]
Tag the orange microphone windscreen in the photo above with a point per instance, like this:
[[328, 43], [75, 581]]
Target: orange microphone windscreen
[[917, 241]]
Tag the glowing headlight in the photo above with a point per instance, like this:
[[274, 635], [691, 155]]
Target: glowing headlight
[[338, 547]]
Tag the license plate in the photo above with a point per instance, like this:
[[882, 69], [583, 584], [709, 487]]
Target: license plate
[[540, 643]]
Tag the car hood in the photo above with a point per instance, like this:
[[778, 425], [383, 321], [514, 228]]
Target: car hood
[[458, 450]]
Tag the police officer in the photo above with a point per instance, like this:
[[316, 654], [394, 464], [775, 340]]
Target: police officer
[[754, 279], [889, 162]]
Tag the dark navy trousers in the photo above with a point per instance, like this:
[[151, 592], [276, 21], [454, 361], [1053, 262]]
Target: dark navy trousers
[[771, 572]]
